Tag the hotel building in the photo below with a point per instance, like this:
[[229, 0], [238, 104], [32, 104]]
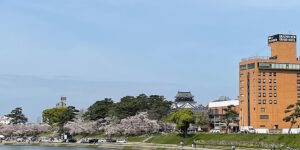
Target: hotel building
[[268, 85]]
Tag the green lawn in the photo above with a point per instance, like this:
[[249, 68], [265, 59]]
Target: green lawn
[[247, 140]]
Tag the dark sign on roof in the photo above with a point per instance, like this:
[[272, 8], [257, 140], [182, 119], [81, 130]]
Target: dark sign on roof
[[282, 38]]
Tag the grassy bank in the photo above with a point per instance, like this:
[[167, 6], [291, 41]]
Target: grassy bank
[[243, 140], [128, 138]]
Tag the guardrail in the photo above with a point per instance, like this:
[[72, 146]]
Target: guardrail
[[256, 57]]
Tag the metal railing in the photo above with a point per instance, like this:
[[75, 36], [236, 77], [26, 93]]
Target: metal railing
[[256, 57]]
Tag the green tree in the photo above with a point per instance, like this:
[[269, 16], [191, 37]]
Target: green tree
[[182, 118], [158, 107], [202, 119], [59, 116], [17, 116], [99, 109], [293, 112], [230, 116], [128, 106]]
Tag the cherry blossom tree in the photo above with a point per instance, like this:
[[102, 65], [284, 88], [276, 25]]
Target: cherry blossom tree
[[79, 126], [134, 125], [24, 129]]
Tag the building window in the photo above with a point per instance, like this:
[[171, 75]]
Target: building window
[[275, 101], [242, 95], [259, 87], [264, 80], [264, 87], [298, 81], [274, 80], [264, 101], [264, 117], [298, 95], [259, 101], [270, 80], [275, 87], [216, 111], [243, 67], [242, 88], [274, 74], [270, 94], [298, 74], [264, 94], [251, 66], [298, 88], [262, 109], [270, 73], [259, 94], [270, 87], [241, 75], [275, 94], [270, 101], [264, 74], [258, 73], [259, 80], [242, 81]]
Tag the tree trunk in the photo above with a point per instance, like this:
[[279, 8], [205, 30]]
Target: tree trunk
[[227, 125], [292, 123]]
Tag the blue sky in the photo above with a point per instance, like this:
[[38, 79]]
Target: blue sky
[[91, 49]]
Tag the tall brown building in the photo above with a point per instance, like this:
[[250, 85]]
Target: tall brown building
[[268, 85]]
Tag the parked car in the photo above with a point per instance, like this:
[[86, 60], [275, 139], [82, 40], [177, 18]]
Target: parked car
[[21, 139], [45, 139], [101, 140], [2, 137], [247, 129], [215, 131], [71, 140], [34, 138], [110, 140], [121, 141], [262, 130], [84, 140], [293, 131], [93, 140]]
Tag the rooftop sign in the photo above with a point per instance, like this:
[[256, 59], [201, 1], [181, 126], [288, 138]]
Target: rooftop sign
[[282, 38]]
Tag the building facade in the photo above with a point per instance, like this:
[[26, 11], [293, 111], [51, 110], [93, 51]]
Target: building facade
[[267, 85], [63, 102], [184, 100], [5, 120], [216, 111]]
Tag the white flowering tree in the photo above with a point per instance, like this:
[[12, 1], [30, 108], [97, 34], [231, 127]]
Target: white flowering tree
[[134, 125], [79, 126], [24, 130]]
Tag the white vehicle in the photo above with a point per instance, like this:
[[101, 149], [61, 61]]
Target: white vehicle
[[20, 140], [215, 131], [293, 131], [45, 139], [262, 130], [247, 129], [2, 137], [101, 140], [121, 141]]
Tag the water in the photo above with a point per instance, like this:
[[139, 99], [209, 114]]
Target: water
[[3, 147]]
